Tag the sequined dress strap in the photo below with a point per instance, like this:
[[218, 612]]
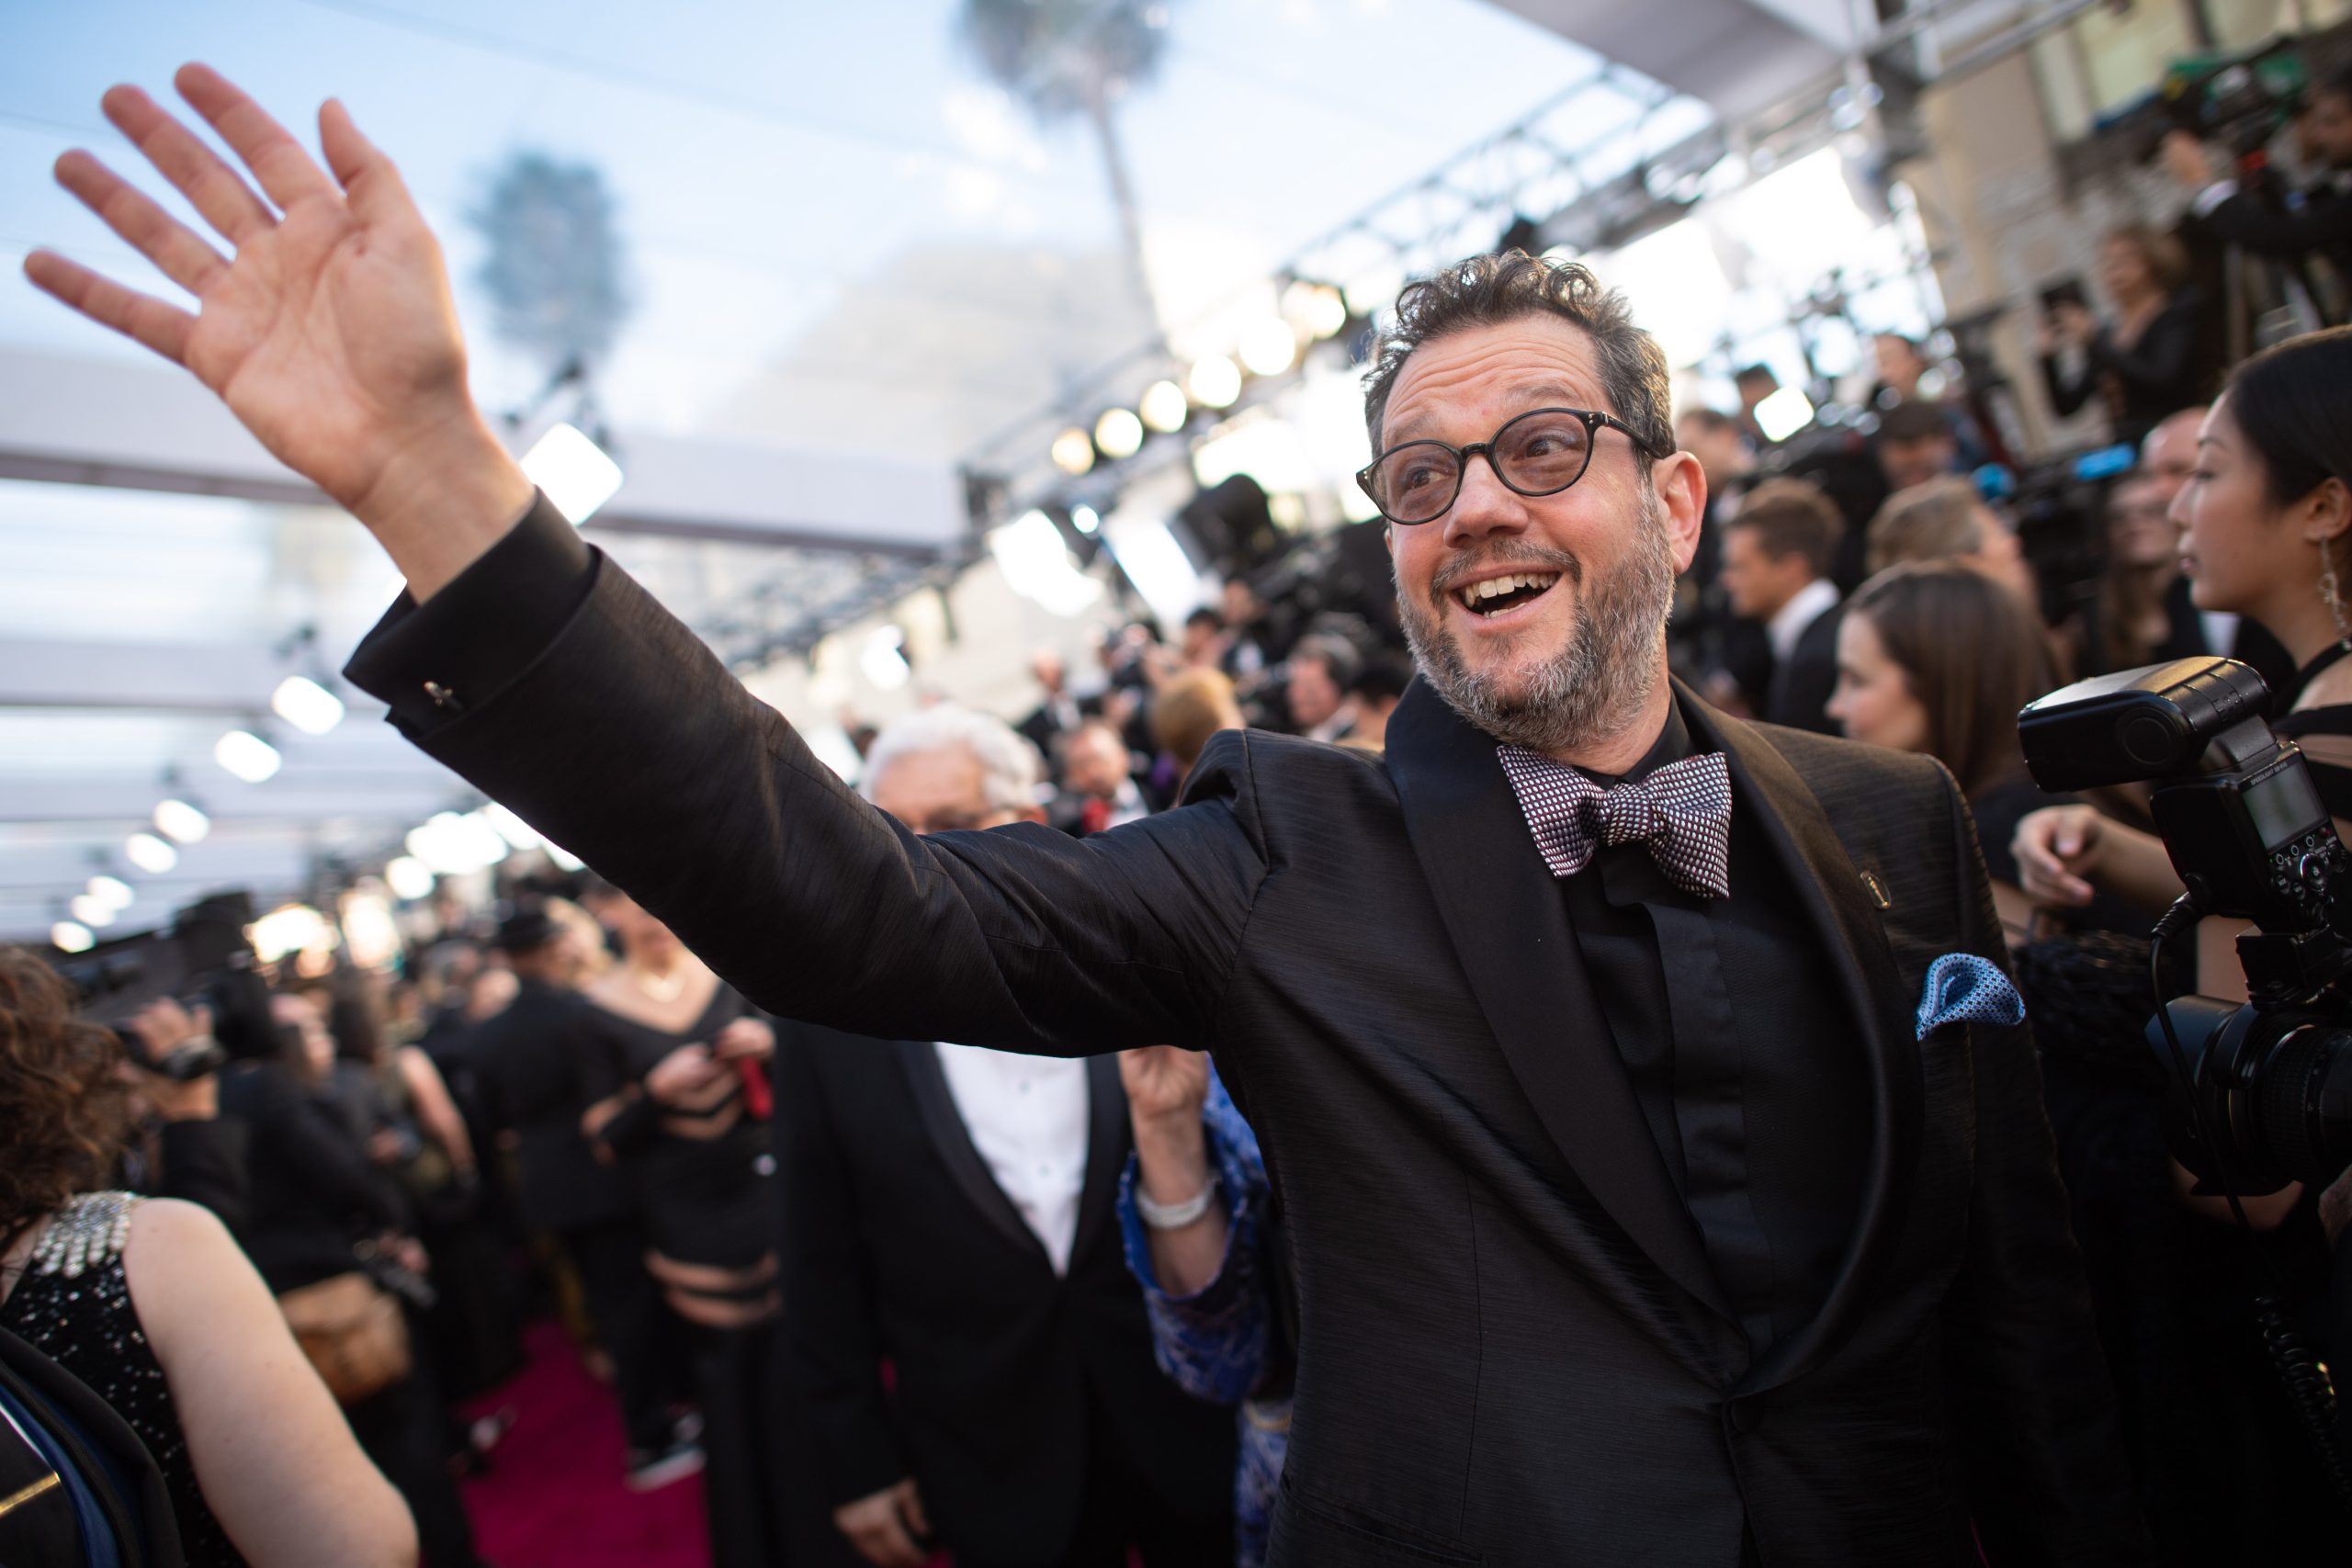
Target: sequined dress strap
[[88, 1231]]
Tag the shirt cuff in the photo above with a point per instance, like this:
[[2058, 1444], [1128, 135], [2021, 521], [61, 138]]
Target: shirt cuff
[[432, 662], [2211, 197]]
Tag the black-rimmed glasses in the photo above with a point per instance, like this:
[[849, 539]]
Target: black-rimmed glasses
[[1542, 452]]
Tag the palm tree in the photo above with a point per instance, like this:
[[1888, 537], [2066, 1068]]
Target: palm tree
[[1075, 57]]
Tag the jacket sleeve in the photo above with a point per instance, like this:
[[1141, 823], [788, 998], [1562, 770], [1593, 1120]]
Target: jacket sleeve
[[2158, 362], [621, 738], [2041, 1457], [2067, 393], [835, 1346], [204, 1162]]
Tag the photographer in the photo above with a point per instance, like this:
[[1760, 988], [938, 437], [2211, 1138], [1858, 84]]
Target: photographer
[[181, 1147], [2143, 364], [2265, 518], [2320, 223]]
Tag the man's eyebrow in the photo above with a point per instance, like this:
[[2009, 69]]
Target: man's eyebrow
[[1543, 394]]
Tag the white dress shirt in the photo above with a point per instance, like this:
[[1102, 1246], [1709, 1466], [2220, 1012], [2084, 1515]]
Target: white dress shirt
[[1028, 1117], [1791, 621]]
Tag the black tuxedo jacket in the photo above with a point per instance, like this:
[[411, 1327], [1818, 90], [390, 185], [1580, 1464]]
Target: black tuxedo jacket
[[1804, 683], [527, 1066], [898, 1245], [1511, 1350]]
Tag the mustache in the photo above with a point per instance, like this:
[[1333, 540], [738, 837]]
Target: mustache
[[1513, 553]]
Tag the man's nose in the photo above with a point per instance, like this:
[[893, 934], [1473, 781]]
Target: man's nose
[[1486, 504]]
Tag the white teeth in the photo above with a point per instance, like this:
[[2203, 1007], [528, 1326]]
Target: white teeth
[[1495, 587]]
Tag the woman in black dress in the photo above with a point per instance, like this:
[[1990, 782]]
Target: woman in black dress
[[151, 1304], [675, 1069]]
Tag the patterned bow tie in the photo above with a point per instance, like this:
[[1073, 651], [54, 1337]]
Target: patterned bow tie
[[1682, 812]]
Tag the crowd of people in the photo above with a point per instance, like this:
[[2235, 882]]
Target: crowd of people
[[894, 1297]]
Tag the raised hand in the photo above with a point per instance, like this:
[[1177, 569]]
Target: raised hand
[[328, 331], [1164, 1084]]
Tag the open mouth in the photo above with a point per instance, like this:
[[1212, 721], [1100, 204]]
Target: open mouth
[[1499, 595]]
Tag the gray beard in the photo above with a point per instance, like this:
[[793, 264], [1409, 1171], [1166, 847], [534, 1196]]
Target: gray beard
[[1597, 683]]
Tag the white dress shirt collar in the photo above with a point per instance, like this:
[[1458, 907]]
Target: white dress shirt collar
[[1806, 605], [1028, 1118]]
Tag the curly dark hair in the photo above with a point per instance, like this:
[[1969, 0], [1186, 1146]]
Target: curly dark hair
[[64, 1115], [1490, 290]]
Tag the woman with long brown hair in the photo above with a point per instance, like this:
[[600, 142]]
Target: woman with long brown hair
[[2144, 364], [150, 1304]]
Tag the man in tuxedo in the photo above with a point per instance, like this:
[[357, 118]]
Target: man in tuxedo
[[1777, 553], [950, 1209], [1594, 1264]]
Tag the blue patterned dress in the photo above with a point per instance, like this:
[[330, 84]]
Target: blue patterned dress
[[1218, 1343]]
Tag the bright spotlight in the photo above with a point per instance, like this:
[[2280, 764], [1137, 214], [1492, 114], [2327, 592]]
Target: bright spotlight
[[150, 853], [291, 929], [179, 819], [1073, 452], [883, 661], [246, 755], [1215, 382], [1316, 308], [575, 472], [511, 828], [1268, 347], [1085, 519], [92, 911], [1164, 407], [408, 877], [66, 936], [1783, 413], [307, 706], [1119, 433], [112, 891]]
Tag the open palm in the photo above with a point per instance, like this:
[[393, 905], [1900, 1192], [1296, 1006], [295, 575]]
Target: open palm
[[329, 330]]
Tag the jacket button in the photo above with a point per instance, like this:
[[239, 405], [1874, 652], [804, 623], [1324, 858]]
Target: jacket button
[[1745, 1415]]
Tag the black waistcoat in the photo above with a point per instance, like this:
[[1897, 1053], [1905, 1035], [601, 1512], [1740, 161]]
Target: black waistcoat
[[1741, 1051]]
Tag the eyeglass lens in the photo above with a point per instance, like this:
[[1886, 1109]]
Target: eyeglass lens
[[1535, 454]]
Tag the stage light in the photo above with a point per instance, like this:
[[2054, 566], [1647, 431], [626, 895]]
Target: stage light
[[883, 661], [453, 845], [92, 911], [575, 472], [408, 877], [1783, 413], [307, 706], [1316, 308], [246, 755], [1073, 452], [1215, 382], [67, 936], [511, 828], [1163, 407], [150, 853], [111, 891], [1085, 519], [291, 929], [1269, 347], [1119, 433], [179, 819], [1029, 551], [369, 928]]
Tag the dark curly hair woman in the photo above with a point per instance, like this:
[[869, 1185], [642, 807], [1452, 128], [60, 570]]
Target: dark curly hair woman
[[150, 1304]]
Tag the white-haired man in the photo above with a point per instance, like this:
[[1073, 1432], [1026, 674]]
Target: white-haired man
[[950, 1210]]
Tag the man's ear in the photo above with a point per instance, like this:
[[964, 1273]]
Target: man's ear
[[1683, 491]]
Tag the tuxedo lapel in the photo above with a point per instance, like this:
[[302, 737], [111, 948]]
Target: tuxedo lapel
[[1830, 887], [935, 1108], [1106, 1154], [1508, 921]]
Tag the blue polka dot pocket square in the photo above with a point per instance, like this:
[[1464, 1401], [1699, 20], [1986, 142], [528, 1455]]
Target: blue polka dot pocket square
[[1964, 989]]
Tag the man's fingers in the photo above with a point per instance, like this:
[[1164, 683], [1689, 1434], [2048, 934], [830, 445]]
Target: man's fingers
[[171, 244], [162, 327], [287, 173], [195, 170], [910, 1500], [371, 183]]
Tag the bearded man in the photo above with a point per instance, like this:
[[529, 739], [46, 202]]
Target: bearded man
[[1641, 1208]]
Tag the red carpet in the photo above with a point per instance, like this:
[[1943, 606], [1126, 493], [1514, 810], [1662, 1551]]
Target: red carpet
[[554, 1496]]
